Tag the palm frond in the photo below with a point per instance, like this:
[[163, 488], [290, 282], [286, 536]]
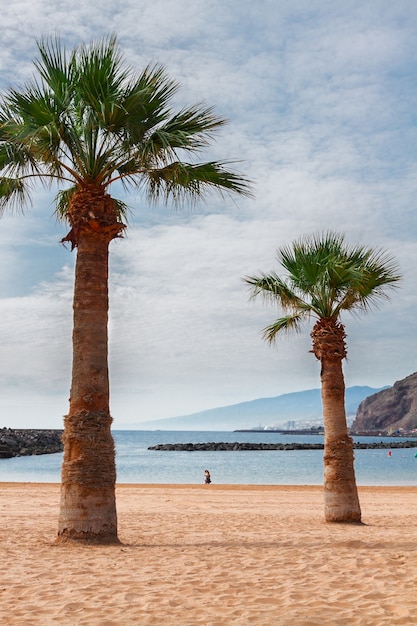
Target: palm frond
[[184, 181], [374, 273], [62, 202], [276, 290], [54, 68], [190, 130], [287, 324], [144, 105], [123, 210], [13, 193]]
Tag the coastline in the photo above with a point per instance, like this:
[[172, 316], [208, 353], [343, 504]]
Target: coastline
[[212, 555], [135, 463]]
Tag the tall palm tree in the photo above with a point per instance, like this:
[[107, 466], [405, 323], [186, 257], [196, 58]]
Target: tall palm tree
[[324, 278], [87, 121]]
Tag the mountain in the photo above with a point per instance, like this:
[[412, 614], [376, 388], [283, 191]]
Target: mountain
[[276, 411], [395, 407]]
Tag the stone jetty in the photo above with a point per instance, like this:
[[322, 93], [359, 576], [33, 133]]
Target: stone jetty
[[23, 442], [236, 446]]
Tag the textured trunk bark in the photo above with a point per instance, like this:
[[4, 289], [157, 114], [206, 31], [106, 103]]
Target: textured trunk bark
[[88, 504], [341, 502]]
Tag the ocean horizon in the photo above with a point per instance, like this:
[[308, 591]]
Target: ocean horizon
[[136, 464]]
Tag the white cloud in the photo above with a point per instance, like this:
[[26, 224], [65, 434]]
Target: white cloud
[[321, 103]]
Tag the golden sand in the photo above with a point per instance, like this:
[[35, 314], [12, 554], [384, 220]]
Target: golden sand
[[212, 555]]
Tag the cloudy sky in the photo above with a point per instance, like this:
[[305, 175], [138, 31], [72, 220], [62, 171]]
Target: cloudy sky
[[322, 105]]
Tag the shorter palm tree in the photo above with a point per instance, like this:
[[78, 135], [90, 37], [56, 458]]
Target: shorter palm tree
[[325, 277]]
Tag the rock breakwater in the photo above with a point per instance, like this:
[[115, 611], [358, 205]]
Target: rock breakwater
[[26, 442], [214, 446]]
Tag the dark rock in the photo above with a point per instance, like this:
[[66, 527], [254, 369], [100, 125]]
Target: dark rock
[[25, 442], [236, 446], [5, 452], [390, 409]]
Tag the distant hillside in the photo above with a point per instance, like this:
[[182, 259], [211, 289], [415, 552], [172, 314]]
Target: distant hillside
[[301, 405], [395, 407]]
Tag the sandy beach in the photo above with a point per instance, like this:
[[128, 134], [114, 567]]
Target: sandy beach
[[212, 555]]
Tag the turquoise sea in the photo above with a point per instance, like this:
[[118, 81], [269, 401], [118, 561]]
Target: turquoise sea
[[137, 464]]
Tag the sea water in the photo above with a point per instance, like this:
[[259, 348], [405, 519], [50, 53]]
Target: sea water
[[136, 464]]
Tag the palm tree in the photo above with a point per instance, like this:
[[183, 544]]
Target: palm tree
[[84, 122], [326, 277]]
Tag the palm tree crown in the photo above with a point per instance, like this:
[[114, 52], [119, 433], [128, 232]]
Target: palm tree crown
[[325, 276], [88, 122]]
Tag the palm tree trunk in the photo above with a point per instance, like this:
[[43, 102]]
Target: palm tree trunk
[[88, 504], [341, 502]]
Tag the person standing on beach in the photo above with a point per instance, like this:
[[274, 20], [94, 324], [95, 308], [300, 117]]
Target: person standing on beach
[[207, 477]]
